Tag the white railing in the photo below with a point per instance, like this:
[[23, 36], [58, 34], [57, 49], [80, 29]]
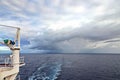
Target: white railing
[[7, 61], [22, 59]]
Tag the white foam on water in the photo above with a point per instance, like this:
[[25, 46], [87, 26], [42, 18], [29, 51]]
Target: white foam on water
[[48, 71]]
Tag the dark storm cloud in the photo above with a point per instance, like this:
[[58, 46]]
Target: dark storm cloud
[[93, 34], [101, 29], [98, 33]]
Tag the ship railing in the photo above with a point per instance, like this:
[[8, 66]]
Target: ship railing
[[7, 61], [22, 60]]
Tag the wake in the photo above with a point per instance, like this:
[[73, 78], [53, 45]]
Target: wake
[[48, 71]]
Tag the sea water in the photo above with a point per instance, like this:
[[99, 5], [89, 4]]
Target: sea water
[[71, 67]]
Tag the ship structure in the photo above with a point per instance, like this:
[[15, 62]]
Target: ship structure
[[9, 66]]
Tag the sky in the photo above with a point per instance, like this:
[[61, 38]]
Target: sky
[[63, 26]]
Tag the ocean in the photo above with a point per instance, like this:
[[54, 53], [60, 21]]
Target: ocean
[[71, 67]]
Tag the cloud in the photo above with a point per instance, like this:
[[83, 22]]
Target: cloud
[[4, 48], [112, 40], [65, 25]]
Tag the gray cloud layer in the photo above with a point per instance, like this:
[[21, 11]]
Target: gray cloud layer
[[67, 25]]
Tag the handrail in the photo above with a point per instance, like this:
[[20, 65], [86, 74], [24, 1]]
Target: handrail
[[8, 61], [22, 59], [5, 61]]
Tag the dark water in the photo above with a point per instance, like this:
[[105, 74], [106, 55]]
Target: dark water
[[71, 67]]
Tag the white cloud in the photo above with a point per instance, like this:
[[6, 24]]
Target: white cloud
[[75, 9], [67, 25], [4, 48]]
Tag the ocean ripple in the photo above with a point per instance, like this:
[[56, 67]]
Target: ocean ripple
[[48, 71]]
